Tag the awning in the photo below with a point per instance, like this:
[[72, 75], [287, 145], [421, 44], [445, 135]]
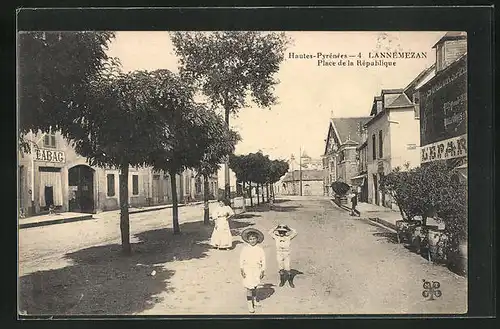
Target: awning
[[359, 177]]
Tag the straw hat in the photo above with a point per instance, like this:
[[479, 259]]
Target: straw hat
[[250, 231]]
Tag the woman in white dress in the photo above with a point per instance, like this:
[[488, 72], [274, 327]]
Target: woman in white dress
[[221, 236], [252, 265]]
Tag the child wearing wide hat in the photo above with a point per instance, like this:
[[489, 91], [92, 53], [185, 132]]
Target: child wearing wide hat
[[252, 264], [283, 235]]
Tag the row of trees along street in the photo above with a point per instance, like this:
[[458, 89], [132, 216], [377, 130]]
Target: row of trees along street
[[68, 83], [257, 168]]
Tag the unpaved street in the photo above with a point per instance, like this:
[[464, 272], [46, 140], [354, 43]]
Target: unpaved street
[[344, 266]]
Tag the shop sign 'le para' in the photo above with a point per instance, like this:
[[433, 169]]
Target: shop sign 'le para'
[[446, 149], [53, 156]]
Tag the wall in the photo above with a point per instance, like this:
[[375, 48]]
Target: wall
[[381, 123], [403, 134], [314, 188], [453, 49], [348, 168]]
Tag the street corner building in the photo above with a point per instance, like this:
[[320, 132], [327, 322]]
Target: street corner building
[[54, 175], [443, 106]]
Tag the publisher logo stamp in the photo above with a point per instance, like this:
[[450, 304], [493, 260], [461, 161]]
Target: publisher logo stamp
[[431, 290]]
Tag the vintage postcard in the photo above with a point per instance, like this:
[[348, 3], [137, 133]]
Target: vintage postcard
[[242, 173]]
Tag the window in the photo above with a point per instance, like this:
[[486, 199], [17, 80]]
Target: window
[[111, 184], [49, 140], [374, 150], [198, 185], [380, 144], [135, 184]]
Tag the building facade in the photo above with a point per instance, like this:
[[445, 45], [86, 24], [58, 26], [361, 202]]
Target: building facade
[[443, 105], [340, 159], [392, 140], [311, 180], [53, 174]]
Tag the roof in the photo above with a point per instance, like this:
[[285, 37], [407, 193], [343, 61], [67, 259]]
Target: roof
[[420, 77], [348, 128], [392, 91], [451, 35], [401, 101], [307, 175]]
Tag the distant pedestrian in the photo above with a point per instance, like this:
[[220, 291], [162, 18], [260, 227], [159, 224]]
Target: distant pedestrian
[[252, 265], [283, 235], [221, 236], [354, 202]]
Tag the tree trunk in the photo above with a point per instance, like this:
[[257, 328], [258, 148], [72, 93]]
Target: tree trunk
[[124, 215], [244, 203], [272, 192], [267, 192], [206, 192], [227, 187], [175, 204], [257, 192], [262, 192], [250, 193]]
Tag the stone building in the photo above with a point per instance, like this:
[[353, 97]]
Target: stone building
[[311, 180], [340, 161], [54, 174]]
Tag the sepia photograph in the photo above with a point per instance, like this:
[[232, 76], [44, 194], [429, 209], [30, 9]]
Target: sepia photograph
[[174, 173]]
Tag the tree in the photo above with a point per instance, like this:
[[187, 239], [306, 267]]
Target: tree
[[237, 165], [396, 184], [430, 190], [217, 141], [191, 128], [122, 125], [277, 169], [55, 71], [230, 66]]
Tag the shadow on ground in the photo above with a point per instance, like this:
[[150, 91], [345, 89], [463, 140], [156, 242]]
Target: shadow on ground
[[237, 227], [281, 200], [103, 281], [244, 216], [267, 207], [387, 236], [265, 291]]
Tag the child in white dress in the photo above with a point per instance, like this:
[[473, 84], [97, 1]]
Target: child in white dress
[[252, 265]]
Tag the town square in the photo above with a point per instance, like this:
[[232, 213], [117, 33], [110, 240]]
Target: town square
[[174, 173]]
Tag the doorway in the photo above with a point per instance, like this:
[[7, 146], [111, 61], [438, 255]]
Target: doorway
[[375, 189], [81, 186]]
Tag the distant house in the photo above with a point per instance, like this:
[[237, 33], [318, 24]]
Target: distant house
[[340, 160], [311, 179]]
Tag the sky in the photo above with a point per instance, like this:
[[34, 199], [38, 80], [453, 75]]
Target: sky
[[308, 94]]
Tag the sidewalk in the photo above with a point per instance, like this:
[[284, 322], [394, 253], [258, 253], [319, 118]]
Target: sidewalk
[[378, 214], [68, 217]]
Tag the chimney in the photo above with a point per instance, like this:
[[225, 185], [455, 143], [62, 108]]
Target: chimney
[[449, 48]]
